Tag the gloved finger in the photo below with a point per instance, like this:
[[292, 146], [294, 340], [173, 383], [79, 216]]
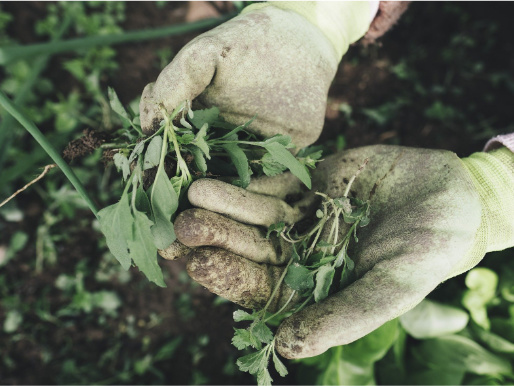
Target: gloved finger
[[391, 288], [183, 79], [244, 206], [175, 251], [237, 279], [200, 227]]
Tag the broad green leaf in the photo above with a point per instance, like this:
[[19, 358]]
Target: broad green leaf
[[241, 315], [240, 161], [299, 278], [164, 201], [324, 278], [237, 129], [201, 117], [142, 202], [458, 353], [116, 224], [270, 167], [200, 162], [122, 164], [279, 366], [200, 141], [118, 108], [283, 156], [153, 153], [264, 378], [243, 338], [253, 362], [284, 140], [138, 149], [143, 250], [262, 332], [430, 319], [482, 283]]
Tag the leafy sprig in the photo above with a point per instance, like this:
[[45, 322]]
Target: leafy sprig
[[141, 223], [317, 255]]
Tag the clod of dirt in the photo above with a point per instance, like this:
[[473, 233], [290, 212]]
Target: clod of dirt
[[84, 145]]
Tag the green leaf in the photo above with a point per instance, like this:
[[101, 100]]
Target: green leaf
[[200, 141], [240, 161], [241, 315], [200, 162], [201, 117], [122, 164], [253, 362], [138, 149], [324, 278], [153, 153], [284, 140], [482, 283], [116, 224], [283, 156], [264, 378], [458, 353], [494, 341], [118, 108], [142, 202], [261, 332], [270, 167], [143, 251], [278, 228], [279, 366], [299, 278], [243, 338], [430, 319], [185, 139], [235, 130], [164, 202]]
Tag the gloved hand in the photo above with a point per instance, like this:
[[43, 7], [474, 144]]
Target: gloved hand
[[275, 60], [433, 216]]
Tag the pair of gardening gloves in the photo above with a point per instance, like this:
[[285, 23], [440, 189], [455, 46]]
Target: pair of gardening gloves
[[433, 215]]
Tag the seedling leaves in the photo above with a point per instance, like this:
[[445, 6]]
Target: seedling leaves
[[262, 332], [122, 164], [143, 250], [240, 161], [138, 149], [164, 202], [200, 141], [299, 278], [284, 157], [199, 157], [253, 362], [153, 153], [118, 108], [201, 117], [244, 338], [241, 315], [279, 366], [270, 167], [324, 278], [264, 378], [116, 224]]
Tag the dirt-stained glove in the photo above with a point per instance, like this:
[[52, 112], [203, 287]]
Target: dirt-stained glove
[[275, 60], [433, 216]]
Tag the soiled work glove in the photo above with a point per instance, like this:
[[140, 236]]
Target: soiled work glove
[[275, 60], [433, 216]]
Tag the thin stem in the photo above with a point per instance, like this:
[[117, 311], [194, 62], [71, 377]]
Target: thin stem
[[281, 308], [6, 103], [354, 177], [277, 286], [9, 54]]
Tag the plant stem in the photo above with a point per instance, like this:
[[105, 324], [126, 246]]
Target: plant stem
[[277, 286], [7, 104], [10, 54]]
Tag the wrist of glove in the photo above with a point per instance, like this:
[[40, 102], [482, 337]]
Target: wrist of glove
[[426, 215]]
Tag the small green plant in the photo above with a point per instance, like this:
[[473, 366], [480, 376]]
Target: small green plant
[[317, 256], [142, 221]]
